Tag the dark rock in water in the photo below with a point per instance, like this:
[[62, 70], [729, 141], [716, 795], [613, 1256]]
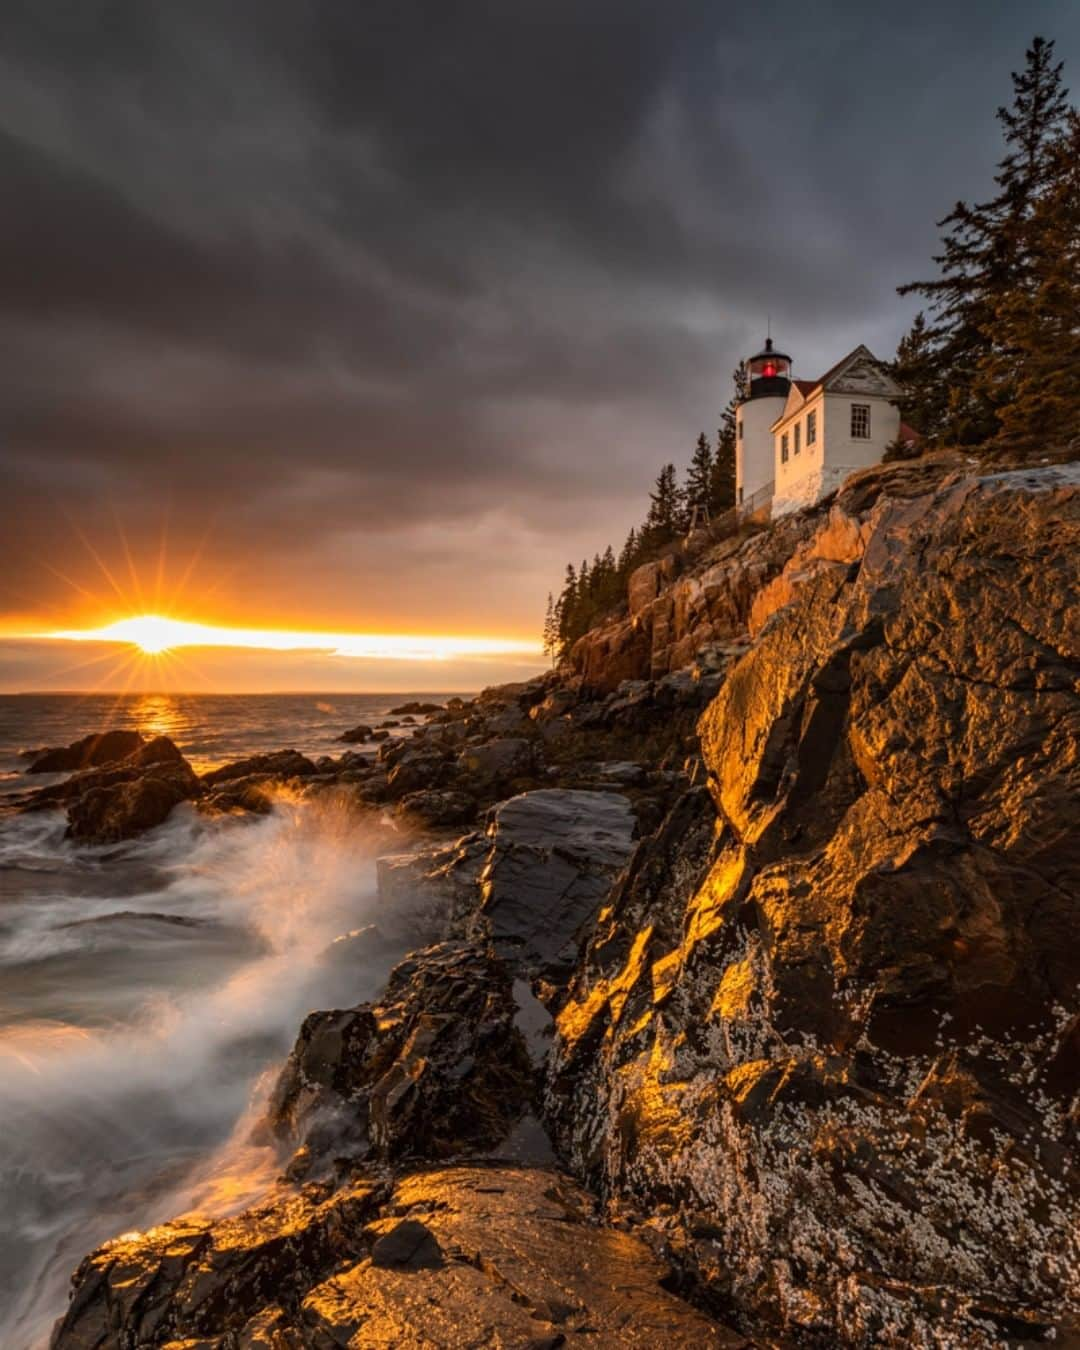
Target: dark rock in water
[[252, 795], [123, 799], [436, 1068], [108, 812], [437, 808], [461, 1256], [91, 752], [417, 709], [279, 764], [356, 735], [554, 854], [380, 735], [825, 1041]]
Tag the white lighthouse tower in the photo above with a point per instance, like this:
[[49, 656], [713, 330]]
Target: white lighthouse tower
[[767, 390]]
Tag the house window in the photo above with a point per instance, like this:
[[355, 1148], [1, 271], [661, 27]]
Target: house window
[[784, 448], [811, 428], [860, 421], [798, 437]]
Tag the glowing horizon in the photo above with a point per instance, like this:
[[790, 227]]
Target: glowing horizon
[[156, 634]]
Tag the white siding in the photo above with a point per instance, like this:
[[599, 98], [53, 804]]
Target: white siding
[[808, 477], [754, 448]]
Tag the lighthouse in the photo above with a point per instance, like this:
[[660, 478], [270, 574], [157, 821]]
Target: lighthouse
[[769, 381]]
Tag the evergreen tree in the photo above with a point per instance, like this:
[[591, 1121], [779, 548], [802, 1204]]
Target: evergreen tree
[[983, 255], [924, 379], [662, 522], [551, 629], [630, 553], [722, 485], [698, 490], [1035, 365]]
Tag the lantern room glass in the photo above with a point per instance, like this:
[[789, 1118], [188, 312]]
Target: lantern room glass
[[770, 365]]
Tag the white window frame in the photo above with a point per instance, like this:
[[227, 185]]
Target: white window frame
[[860, 408]]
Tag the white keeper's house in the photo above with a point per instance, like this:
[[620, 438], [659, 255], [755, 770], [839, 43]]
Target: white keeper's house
[[797, 440]]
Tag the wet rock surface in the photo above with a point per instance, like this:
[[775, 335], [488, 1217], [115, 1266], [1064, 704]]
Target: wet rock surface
[[822, 1042], [104, 747], [552, 859], [124, 798], [435, 1069], [456, 1257]]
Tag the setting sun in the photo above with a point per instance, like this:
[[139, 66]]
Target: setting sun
[[154, 634]]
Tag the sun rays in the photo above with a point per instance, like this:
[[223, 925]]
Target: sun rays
[[157, 635]]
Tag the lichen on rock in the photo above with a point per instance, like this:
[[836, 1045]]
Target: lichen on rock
[[836, 1087]]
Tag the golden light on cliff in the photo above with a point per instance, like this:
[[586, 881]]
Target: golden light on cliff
[[154, 634]]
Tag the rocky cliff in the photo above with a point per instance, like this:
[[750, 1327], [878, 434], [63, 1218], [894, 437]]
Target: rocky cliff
[[793, 995], [825, 1038]]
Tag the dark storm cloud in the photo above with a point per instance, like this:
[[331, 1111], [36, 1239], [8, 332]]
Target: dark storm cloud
[[463, 272]]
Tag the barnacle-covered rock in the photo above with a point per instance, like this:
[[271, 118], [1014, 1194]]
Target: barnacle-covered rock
[[827, 1032]]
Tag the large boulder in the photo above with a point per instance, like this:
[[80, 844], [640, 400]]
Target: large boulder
[[828, 1026], [553, 856], [125, 798], [127, 806], [436, 1068], [497, 762], [356, 735], [434, 808], [103, 747]]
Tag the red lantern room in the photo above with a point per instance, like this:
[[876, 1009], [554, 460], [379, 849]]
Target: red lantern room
[[770, 373]]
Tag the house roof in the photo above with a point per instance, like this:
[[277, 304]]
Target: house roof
[[909, 434], [807, 388]]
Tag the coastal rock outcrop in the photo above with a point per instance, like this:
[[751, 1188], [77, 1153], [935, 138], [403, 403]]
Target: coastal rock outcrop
[[552, 859], [436, 1068], [812, 969], [822, 1037], [677, 611], [91, 752], [125, 798], [458, 1256]]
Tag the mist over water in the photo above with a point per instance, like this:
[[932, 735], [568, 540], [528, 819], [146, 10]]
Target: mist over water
[[148, 995]]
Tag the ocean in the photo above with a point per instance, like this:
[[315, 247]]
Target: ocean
[[150, 991]]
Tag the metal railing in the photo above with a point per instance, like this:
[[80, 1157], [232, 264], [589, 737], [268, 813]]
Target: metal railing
[[756, 499]]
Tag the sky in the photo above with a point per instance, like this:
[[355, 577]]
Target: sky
[[357, 318]]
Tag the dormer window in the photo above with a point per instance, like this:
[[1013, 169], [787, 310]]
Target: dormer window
[[860, 421]]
